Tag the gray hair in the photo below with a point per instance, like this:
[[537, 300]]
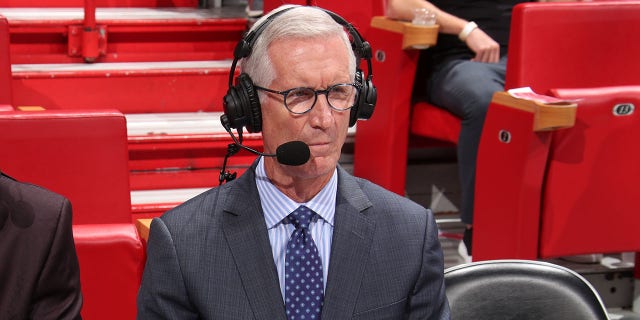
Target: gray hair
[[299, 22]]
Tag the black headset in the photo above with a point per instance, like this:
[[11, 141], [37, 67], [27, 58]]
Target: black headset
[[242, 105]]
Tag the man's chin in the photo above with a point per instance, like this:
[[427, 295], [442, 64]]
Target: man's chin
[[317, 166], [329, 161]]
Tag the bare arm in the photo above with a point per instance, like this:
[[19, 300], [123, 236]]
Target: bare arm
[[485, 48], [402, 10]]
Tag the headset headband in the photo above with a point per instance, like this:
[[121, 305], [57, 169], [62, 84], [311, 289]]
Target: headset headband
[[244, 47]]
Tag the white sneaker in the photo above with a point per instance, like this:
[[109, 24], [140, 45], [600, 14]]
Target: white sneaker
[[462, 251]]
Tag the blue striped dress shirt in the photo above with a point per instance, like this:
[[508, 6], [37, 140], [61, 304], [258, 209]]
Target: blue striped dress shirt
[[277, 206]]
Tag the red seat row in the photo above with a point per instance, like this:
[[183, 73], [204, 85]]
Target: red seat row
[[575, 193], [555, 191]]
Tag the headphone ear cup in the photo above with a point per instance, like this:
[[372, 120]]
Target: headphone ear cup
[[242, 105], [252, 105], [366, 100], [231, 108]]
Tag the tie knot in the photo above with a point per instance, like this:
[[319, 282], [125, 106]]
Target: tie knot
[[301, 217]]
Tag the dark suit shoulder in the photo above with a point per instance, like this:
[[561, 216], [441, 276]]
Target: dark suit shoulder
[[14, 190], [26, 205]]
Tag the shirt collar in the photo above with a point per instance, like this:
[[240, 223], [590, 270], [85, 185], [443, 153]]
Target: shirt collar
[[276, 205]]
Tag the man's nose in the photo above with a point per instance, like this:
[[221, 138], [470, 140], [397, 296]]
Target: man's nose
[[322, 112]]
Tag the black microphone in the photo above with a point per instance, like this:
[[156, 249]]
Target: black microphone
[[292, 153]]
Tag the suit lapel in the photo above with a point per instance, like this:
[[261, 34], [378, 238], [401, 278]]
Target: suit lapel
[[352, 237], [246, 234]]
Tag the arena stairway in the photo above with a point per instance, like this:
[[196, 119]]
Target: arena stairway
[[164, 64], [165, 67]]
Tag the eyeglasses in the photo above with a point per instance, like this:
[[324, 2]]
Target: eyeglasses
[[341, 97]]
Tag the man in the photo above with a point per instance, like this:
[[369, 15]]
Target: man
[[232, 252], [39, 273]]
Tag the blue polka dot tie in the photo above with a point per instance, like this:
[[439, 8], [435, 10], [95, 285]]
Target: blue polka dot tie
[[303, 276]]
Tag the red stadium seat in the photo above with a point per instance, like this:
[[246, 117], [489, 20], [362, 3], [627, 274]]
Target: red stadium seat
[[510, 172], [83, 156], [556, 45], [590, 195], [560, 192], [382, 143]]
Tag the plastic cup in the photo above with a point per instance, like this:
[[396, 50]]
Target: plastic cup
[[423, 17]]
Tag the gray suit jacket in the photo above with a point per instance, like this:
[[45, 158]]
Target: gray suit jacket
[[210, 258]]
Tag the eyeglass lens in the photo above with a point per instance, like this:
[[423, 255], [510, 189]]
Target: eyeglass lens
[[339, 97]]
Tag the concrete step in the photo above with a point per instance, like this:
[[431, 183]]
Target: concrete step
[[131, 87], [55, 35], [151, 59], [181, 150]]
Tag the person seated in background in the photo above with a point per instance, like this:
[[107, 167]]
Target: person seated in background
[[461, 73], [286, 240], [39, 271]]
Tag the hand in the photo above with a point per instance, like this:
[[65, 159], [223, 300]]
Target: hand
[[486, 49]]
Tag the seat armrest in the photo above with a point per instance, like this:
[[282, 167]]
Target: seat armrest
[[545, 116], [111, 258], [413, 36]]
